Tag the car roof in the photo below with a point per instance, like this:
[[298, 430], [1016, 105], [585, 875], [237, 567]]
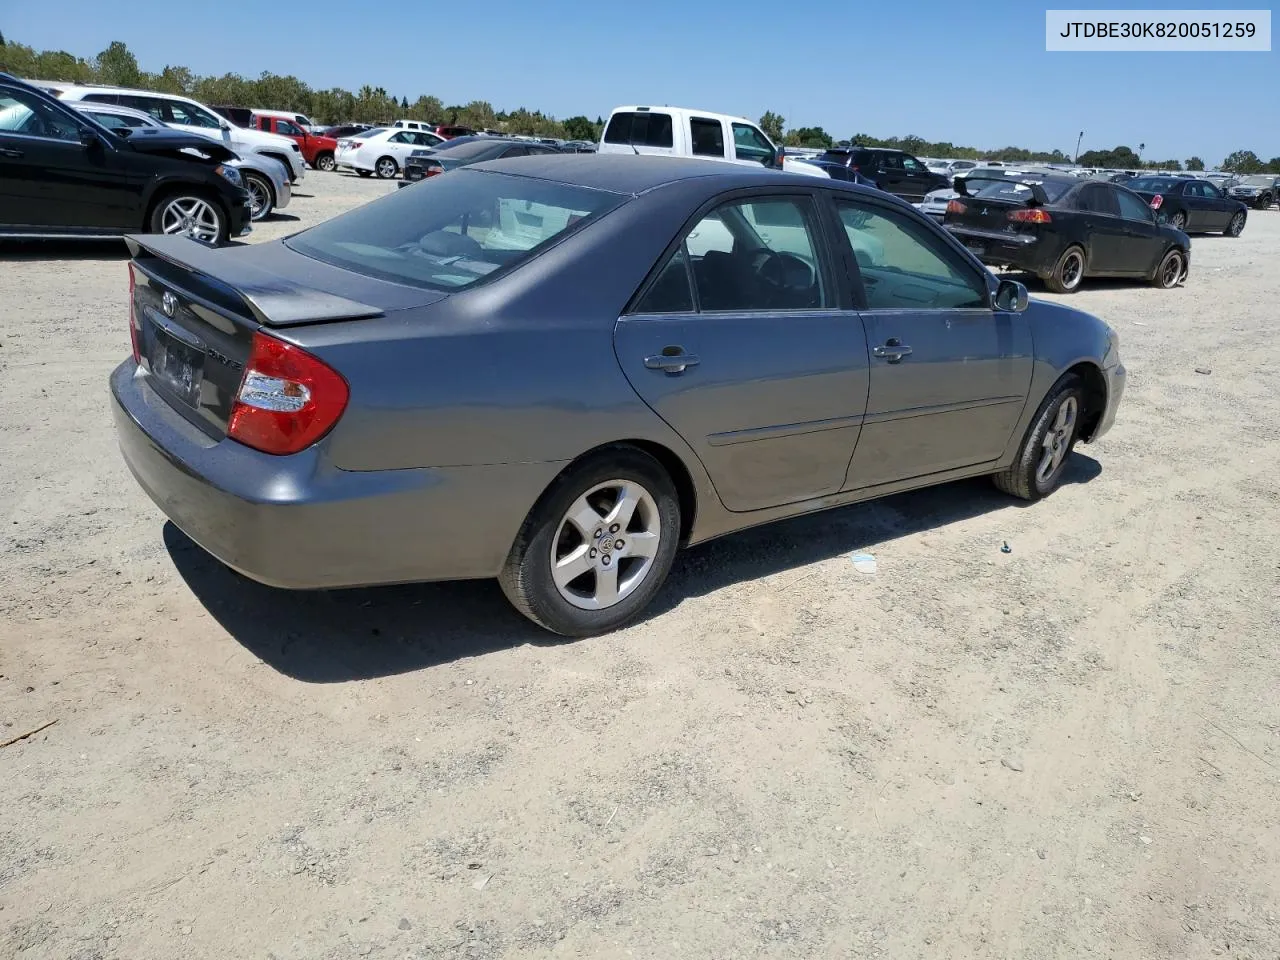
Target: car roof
[[666, 108], [627, 173]]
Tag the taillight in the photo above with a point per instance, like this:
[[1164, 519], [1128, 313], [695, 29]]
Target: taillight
[[1033, 215], [135, 335], [956, 207], [357, 144], [855, 168], [1156, 201], [433, 171], [287, 399]]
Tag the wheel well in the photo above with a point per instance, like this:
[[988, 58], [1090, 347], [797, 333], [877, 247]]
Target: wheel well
[[1095, 397], [271, 187], [281, 158], [675, 468]]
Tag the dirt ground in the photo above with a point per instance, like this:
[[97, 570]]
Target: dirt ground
[[1069, 750]]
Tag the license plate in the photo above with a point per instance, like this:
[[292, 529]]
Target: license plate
[[177, 364]]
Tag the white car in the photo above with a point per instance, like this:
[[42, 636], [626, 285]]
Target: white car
[[266, 180], [682, 132], [183, 113], [382, 150]]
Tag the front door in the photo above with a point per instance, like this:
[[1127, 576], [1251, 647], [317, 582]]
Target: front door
[[890, 174], [1218, 207], [48, 178], [916, 179], [949, 376], [1144, 245], [741, 344]]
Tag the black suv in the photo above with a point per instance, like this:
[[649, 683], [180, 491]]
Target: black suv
[[63, 175], [891, 170]]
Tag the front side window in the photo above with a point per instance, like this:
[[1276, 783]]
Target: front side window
[[904, 266], [448, 233], [21, 112], [643, 128], [1133, 208], [751, 144], [707, 137], [288, 129], [890, 161], [757, 255], [912, 165]]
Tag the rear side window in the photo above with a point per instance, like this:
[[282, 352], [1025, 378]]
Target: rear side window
[[448, 233], [643, 129], [890, 161], [707, 137], [1097, 199]]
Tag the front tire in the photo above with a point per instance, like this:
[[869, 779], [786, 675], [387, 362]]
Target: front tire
[[566, 571], [1171, 270], [262, 196], [386, 168], [1068, 272], [1236, 226], [189, 213], [1037, 470]]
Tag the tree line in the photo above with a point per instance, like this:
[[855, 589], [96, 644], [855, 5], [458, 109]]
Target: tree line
[[117, 66]]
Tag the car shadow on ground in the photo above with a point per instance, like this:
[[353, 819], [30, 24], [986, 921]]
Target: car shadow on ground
[[340, 635], [1036, 286], [53, 251]]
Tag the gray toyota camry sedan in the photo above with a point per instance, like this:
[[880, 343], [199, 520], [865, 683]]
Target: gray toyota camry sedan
[[557, 370]]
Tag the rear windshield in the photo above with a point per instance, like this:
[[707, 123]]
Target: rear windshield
[[647, 129], [448, 233], [1151, 184], [1016, 189], [470, 149]]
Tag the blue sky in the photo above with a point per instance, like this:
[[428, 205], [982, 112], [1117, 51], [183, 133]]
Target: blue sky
[[972, 73]]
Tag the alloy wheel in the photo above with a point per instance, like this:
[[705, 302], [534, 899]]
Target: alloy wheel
[[1171, 271], [1072, 269], [259, 197], [326, 163], [386, 168], [1237, 225], [605, 545], [191, 217], [1178, 222], [1057, 439]]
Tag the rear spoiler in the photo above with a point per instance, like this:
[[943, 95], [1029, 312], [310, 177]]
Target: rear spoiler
[[271, 300], [1038, 197]]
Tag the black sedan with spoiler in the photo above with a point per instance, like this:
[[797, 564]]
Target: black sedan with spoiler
[[1063, 229]]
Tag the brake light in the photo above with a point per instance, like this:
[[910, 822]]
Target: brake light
[[1033, 215], [135, 335], [956, 207], [1156, 201], [287, 399], [357, 144], [433, 171], [855, 168]]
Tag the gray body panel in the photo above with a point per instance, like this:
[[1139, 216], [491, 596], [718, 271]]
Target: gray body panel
[[469, 404]]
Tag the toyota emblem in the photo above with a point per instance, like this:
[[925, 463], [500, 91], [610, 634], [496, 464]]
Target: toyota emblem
[[169, 303]]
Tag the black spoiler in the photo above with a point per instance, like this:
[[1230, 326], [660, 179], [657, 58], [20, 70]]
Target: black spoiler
[[272, 300]]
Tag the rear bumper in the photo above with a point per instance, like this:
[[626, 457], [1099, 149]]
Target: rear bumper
[[999, 249], [299, 522]]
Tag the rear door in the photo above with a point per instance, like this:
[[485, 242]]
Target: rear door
[[1106, 238], [1200, 212], [752, 352], [707, 137], [949, 375]]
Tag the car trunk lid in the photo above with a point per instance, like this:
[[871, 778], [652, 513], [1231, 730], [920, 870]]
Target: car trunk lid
[[195, 311]]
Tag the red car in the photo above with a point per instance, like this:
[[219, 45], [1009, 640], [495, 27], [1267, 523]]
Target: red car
[[316, 149]]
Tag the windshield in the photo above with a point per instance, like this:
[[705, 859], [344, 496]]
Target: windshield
[[471, 149], [1151, 184], [1018, 189], [448, 233]]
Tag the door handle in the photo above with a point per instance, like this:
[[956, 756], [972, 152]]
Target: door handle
[[672, 360], [893, 351], [12, 154]]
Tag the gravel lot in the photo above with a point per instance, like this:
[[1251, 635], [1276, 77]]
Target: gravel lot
[[1069, 750]]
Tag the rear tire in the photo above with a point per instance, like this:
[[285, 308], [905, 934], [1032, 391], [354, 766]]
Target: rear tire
[[1068, 272], [1179, 221], [1173, 266], [1236, 226], [568, 580], [1037, 470], [325, 162]]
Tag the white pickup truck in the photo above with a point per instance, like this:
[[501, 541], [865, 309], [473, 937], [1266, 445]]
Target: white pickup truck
[[682, 132]]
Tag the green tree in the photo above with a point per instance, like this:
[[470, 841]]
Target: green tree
[[1242, 161], [1120, 157], [404, 103], [808, 137], [772, 124], [117, 66], [1195, 163], [426, 108], [1273, 165], [580, 128]]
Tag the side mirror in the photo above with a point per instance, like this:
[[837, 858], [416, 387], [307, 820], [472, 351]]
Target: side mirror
[[89, 138], [1011, 297]]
